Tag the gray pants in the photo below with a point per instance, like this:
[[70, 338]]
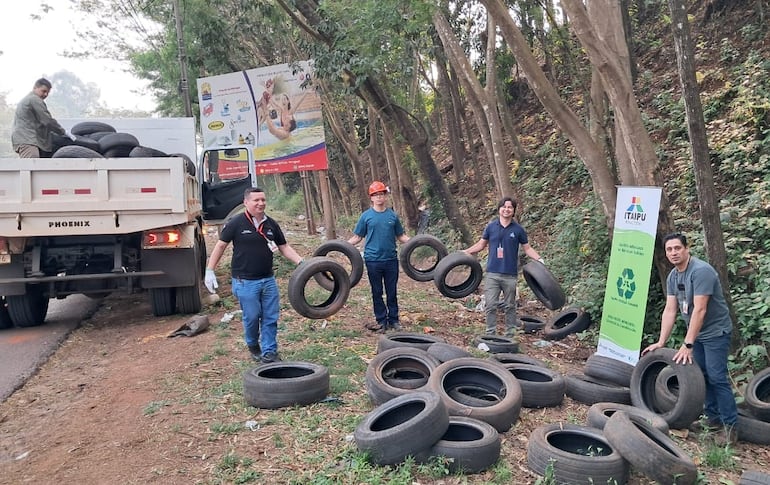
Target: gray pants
[[494, 284]]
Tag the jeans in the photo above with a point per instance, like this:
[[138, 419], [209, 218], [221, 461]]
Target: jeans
[[259, 302], [384, 272], [494, 283], [711, 357]]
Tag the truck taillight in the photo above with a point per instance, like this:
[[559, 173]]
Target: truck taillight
[[162, 239]]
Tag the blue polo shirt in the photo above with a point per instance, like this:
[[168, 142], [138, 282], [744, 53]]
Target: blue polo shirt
[[508, 238]]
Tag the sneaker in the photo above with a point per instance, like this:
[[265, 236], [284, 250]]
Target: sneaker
[[705, 425], [269, 357]]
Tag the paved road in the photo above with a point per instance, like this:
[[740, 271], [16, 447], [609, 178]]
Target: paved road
[[24, 350]]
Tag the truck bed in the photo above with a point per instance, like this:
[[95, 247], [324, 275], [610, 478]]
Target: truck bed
[[42, 196]]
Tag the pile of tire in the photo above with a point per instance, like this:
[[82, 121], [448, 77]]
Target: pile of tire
[[754, 418], [419, 382], [94, 139]]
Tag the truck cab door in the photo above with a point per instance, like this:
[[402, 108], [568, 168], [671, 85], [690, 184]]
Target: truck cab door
[[227, 172]]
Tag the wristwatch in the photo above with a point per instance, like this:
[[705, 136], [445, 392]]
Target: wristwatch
[[688, 345]]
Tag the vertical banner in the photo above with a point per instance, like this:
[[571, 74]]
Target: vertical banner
[[628, 276], [274, 109]]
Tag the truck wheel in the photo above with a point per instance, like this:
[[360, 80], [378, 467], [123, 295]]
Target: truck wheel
[[188, 298], [28, 310], [163, 301]]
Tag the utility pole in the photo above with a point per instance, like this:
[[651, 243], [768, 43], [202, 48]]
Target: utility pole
[[184, 86]]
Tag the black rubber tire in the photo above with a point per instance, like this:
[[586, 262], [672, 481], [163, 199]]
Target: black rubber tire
[[754, 477], [75, 151], [88, 127], [282, 384], [337, 297], [450, 262], [495, 344], [666, 390], [28, 310], [421, 240], [98, 135], [474, 395], [118, 140], [350, 252], [506, 358], [758, 395], [599, 413], [692, 388], [566, 322], [752, 430], [404, 426], [163, 301], [540, 387], [188, 298], [387, 370], [580, 455], [470, 445], [5, 317], [407, 339], [471, 371], [588, 390], [531, 323], [146, 152], [608, 369], [445, 352], [86, 142], [118, 152], [544, 285], [650, 451]]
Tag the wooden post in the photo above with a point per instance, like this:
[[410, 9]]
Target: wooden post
[[326, 202], [308, 207]]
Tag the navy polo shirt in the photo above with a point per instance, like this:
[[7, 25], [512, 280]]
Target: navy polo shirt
[[508, 238]]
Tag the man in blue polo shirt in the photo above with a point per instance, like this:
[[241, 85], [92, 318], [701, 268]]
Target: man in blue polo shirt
[[503, 237]]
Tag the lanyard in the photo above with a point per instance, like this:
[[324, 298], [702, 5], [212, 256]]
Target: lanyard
[[258, 227]]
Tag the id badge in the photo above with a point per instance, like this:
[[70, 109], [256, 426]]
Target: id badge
[[272, 245], [499, 252], [683, 307]]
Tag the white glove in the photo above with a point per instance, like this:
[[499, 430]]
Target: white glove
[[541, 261], [211, 281], [70, 136]]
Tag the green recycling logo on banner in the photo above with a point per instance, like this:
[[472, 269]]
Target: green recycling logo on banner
[[626, 284]]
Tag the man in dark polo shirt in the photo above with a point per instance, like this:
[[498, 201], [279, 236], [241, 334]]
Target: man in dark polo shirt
[[255, 238], [503, 236]]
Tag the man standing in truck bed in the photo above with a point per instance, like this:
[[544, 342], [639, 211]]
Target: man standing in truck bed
[[33, 125]]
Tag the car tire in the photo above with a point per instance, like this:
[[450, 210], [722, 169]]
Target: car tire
[[608, 369], [124, 141], [506, 358], [146, 152], [588, 390], [398, 371], [445, 352], [692, 388], [479, 372], [531, 324], [470, 445], [540, 387], [409, 247], [76, 151], [445, 267], [754, 477], [569, 321], [666, 390], [578, 455], [544, 285], [752, 430], [758, 395], [406, 425], [599, 413], [407, 339], [495, 344], [350, 252], [649, 451], [85, 128], [337, 297], [282, 384]]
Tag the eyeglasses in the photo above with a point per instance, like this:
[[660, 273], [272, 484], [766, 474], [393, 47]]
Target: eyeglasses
[[380, 194]]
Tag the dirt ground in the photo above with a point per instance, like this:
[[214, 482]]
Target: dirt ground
[[120, 402]]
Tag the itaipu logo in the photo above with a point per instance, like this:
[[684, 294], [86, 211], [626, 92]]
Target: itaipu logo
[[625, 284], [635, 214]]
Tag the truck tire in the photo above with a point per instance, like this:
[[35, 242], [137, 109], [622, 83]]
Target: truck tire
[[188, 298], [5, 318], [88, 127], [439, 251], [28, 310], [163, 301]]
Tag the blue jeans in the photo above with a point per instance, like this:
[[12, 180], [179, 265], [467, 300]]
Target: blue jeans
[[711, 357], [384, 273], [494, 284], [259, 302]]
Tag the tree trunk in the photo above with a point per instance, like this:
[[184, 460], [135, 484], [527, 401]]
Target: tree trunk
[[446, 100], [713, 241]]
